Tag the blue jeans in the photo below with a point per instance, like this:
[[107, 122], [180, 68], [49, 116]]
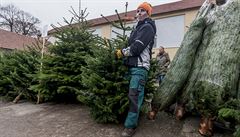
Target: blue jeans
[[136, 95], [160, 78]]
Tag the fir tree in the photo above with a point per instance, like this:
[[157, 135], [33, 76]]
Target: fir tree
[[17, 69], [106, 85], [60, 76], [5, 85], [105, 79]]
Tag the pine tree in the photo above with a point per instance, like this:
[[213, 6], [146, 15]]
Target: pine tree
[[60, 76], [5, 85], [106, 84], [17, 70], [106, 81]]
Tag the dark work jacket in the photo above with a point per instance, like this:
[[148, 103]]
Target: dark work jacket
[[140, 43]]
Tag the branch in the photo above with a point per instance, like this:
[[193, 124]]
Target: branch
[[119, 19]]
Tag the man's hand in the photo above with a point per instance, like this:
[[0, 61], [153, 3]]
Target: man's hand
[[119, 53]]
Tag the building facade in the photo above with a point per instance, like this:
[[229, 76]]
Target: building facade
[[172, 21]]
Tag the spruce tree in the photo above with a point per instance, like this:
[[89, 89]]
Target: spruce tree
[[106, 85], [4, 84], [60, 76], [17, 70], [105, 79]]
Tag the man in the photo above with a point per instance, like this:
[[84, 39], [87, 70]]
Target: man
[[163, 63], [217, 2], [138, 55]]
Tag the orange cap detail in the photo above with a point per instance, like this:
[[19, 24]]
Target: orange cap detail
[[146, 6]]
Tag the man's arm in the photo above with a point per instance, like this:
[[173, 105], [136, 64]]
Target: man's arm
[[168, 60], [145, 35]]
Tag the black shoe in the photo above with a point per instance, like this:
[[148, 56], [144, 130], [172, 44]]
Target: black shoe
[[128, 132]]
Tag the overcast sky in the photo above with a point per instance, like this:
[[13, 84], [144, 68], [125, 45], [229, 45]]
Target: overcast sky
[[53, 11]]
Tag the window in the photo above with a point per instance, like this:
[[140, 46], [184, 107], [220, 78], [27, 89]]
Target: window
[[170, 31], [52, 39], [97, 31]]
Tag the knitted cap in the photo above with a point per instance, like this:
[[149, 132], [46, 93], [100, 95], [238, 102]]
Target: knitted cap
[[146, 6]]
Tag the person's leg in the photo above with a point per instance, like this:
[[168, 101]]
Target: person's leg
[[136, 95], [160, 78]]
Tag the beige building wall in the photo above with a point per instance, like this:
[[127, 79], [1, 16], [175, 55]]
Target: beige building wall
[[106, 31], [188, 18]]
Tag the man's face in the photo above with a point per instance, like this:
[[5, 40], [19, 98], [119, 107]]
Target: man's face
[[141, 14], [218, 2], [161, 50]]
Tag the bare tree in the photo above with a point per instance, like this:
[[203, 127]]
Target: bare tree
[[26, 24], [8, 15], [19, 21]]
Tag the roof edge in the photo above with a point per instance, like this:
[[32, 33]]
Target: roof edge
[[159, 9]]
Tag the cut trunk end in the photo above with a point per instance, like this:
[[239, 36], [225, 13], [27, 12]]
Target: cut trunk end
[[206, 126], [39, 98], [152, 114], [17, 98], [179, 111]]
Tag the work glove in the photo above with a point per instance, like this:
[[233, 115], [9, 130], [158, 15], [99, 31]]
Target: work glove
[[119, 53]]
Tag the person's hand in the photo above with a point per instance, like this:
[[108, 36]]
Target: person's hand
[[119, 54]]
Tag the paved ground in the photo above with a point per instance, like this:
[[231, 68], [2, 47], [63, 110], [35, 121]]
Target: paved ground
[[73, 120]]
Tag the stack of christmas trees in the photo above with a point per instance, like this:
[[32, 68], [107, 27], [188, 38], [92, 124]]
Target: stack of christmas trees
[[79, 66]]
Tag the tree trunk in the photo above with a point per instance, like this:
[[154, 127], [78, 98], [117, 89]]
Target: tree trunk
[[17, 98], [39, 98]]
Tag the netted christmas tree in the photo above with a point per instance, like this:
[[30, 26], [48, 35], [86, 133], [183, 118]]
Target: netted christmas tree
[[16, 71], [204, 74], [60, 77], [106, 78]]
